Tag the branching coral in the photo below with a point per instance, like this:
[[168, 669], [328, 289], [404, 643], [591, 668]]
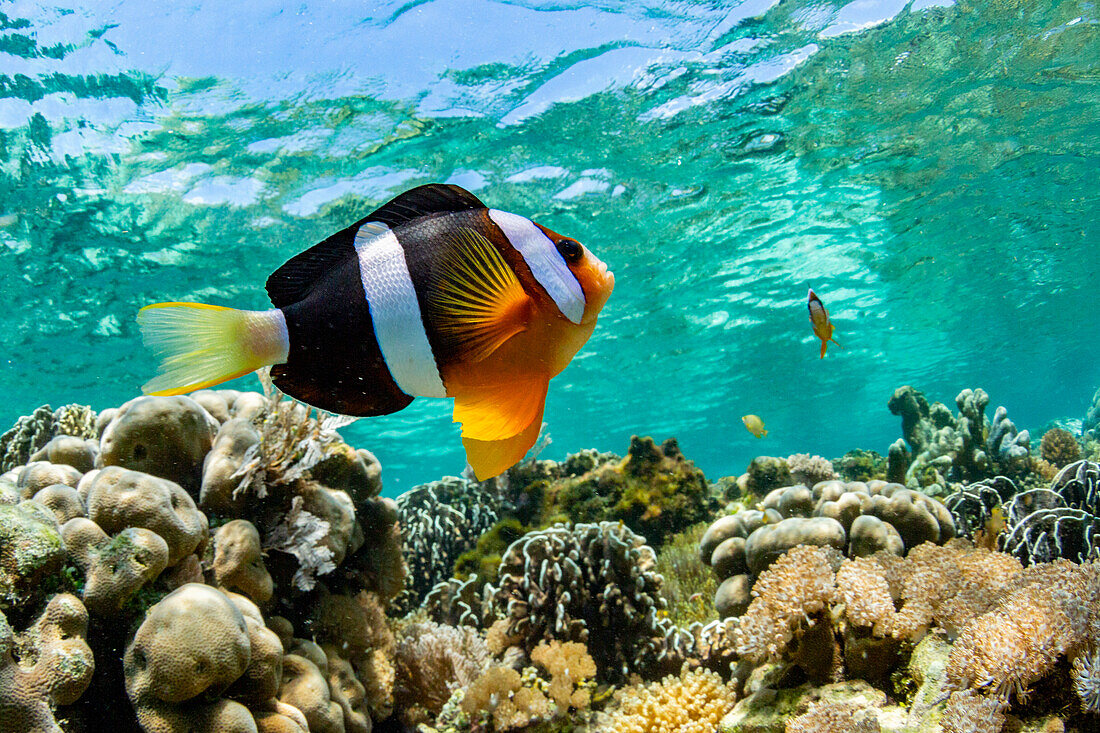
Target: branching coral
[[809, 470], [592, 583], [692, 702], [440, 521]]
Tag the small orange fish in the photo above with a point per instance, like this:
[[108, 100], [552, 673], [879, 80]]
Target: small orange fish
[[754, 425], [823, 327]]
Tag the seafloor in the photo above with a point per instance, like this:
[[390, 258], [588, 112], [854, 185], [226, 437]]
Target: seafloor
[[225, 562]]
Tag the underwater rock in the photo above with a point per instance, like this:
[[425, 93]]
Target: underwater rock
[[49, 664], [163, 436], [852, 706], [114, 568], [30, 550], [119, 498]]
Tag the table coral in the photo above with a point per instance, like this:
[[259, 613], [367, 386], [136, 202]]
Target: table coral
[[49, 664]]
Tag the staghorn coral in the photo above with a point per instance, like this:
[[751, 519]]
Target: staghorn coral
[[692, 702], [591, 583], [1059, 447], [809, 470], [441, 521], [432, 661], [49, 664]]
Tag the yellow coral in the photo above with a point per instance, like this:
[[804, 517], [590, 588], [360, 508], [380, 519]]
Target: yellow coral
[[693, 702], [501, 694], [570, 666]]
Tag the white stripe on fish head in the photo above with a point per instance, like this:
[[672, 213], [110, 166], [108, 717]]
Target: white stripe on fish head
[[546, 263], [395, 311]]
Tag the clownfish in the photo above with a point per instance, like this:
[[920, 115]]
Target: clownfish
[[823, 327], [754, 425], [432, 295]]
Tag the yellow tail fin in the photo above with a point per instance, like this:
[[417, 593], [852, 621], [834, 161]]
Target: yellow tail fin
[[202, 345]]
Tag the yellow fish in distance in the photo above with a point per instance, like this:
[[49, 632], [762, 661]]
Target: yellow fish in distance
[[432, 295], [823, 327], [754, 425]]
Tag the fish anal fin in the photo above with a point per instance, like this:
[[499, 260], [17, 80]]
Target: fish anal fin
[[433, 198], [490, 458], [824, 346], [499, 411], [475, 301]]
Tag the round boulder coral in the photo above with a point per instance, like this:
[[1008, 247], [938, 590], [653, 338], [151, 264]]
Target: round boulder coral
[[119, 498], [164, 436], [238, 561], [38, 475], [220, 482], [30, 550], [114, 569], [193, 642]]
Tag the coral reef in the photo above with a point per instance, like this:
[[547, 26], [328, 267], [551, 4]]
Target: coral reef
[[32, 433], [441, 521], [692, 702], [1059, 447], [861, 465], [593, 583], [853, 517], [49, 664], [433, 660], [30, 550], [654, 490], [943, 447], [809, 470]]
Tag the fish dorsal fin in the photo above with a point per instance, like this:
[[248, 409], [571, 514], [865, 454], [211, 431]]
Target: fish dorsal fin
[[433, 198], [292, 282], [501, 410], [475, 301]]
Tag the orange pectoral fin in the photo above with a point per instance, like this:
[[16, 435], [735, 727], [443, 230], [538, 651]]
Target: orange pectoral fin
[[498, 411], [476, 301], [490, 458]]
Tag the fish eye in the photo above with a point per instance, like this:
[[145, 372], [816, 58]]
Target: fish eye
[[570, 249]]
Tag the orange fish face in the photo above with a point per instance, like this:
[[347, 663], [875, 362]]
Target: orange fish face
[[595, 279]]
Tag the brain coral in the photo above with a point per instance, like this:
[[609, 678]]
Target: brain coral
[[51, 664]]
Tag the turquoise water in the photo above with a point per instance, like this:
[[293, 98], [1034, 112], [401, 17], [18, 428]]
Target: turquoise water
[[929, 168]]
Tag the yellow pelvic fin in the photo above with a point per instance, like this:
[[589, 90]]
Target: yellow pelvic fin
[[489, 458], [477, 302], [498, 411], [201, 345]]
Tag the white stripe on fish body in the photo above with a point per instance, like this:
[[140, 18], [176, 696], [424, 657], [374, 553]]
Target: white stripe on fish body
[[546, 263], [395, 311]]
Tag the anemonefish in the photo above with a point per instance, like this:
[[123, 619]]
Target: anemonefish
[[823, 327], [754, 425], [432, 295]]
